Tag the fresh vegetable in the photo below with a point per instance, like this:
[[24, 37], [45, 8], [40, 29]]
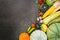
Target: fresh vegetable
[[33, 25], [58, 8], [31, 30], [53, 32], [51, 17], [38, 35], [44, 27], [39, 18], [38, 25], [40, 1], [44, 7], [28, 28], [57, 20], [41, 13], [24, 36], [50, 2], [57, 3], [51, 9]]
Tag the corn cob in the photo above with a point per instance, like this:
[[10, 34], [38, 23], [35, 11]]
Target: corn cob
[[51, 9], [51, 17], [44, 27], [54, 21]]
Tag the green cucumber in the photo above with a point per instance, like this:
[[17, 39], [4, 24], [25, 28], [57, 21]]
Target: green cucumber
[[28, 28], [51, 17], [57, 20], [31, 30]]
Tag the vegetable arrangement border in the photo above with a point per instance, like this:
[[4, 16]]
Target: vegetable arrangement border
[[47, 25]]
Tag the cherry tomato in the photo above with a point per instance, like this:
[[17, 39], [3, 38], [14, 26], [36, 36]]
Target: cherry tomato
[[40, 1], [33, 25]]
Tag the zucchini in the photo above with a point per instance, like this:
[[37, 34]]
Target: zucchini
[[51, 17]]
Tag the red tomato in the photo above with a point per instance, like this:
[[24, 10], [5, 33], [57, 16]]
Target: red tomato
[[33, 25], [40, 1]]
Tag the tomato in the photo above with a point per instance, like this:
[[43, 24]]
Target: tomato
[[33, 25], [40, 1]]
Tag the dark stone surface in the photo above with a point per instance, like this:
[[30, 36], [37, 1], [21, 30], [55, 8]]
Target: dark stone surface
[[15, 16]]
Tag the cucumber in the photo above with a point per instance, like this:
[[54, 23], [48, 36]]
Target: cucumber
[[51, 17], [57, 20], [28, 28], [31, 30]]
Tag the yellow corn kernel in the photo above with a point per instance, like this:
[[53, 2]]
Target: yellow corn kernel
[[44, 27], [49, 11]]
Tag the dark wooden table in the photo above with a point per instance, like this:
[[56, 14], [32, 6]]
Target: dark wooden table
[[15, 16]]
